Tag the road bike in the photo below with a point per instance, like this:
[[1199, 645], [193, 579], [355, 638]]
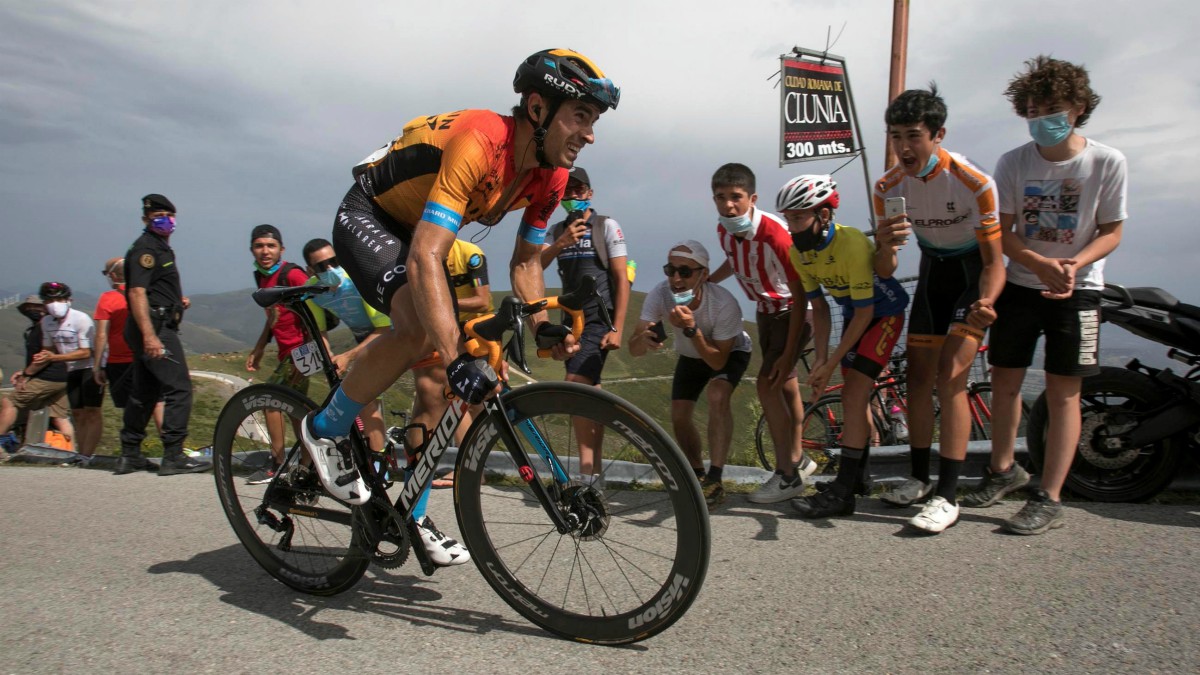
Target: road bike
[[612, 563]]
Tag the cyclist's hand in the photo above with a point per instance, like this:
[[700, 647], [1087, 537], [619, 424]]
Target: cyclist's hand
[[574, 231], [342, 363], [43, 356], [611, 341], [982, 314], [1059, 276], [818, 379], [893, 232], [557, 338], [472, 379], [99, 377], [253, 359], [779, 373]]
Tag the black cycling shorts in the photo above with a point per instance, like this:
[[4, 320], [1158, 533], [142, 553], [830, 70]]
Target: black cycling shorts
[[946, 289], [372, 247], [692, 375], [1071, 326], [589, 360], [82, 390]]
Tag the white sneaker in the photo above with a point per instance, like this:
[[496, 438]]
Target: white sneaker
[[336, 472], [774, 490], [443, 550], [937, 515], [806, 467], [907, 493]]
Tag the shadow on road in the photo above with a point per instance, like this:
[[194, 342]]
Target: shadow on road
[[1182, 515], [245, 585]]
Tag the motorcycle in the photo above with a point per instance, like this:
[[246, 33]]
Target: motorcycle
[[1139, 422]]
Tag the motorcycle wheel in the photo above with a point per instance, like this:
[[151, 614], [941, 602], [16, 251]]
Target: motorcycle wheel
[[1113, 403]]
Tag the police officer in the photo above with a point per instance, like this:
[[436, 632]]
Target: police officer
[[156, 305]]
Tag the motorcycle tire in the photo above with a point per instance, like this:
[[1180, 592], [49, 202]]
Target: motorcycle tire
[[1111, 403]]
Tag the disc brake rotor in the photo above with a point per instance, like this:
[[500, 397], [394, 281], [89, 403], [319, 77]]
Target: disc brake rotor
[[1097, 431]]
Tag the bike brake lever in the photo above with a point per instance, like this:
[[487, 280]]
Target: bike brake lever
[[515, 348]]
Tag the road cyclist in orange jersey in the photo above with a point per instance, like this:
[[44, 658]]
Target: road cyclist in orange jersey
[[950, 205]]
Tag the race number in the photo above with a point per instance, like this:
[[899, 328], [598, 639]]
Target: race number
[[305, 358]]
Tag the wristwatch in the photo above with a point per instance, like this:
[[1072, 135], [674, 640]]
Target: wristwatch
[[690, 331]]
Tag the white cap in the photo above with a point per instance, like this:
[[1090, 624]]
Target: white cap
[[692, 250]]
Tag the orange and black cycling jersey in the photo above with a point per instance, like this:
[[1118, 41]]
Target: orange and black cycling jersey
[[452, 169]]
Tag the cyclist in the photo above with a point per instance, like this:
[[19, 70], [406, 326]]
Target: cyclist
[[757, 251], [844, 262], [1066, 196], [951, 208], [397, 222], [67, 336]]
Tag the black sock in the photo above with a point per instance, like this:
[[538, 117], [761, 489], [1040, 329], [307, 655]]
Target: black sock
[[920, 463], [714, 473], [948, 470], [849, 466], [699, 471]]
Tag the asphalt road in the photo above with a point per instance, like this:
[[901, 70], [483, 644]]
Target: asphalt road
[[140, 573]]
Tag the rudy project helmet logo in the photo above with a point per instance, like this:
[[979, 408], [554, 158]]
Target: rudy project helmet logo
[[562, 85]]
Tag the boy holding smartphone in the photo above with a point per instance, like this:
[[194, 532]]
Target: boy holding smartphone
[[950, 205]]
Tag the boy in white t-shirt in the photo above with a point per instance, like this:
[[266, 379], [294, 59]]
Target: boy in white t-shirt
[[714, 352], [1062, 204]]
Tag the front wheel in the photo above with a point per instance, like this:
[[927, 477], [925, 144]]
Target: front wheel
[[638, 551], [1113, 403], [298, 533]]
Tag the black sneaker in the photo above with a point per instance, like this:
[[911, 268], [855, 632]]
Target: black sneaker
[[130, 464], [714, 492], [1038, 515], [994, 486], [182, 464], [824, 504]]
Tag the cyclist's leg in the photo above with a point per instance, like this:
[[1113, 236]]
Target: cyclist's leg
[[926, 333], [585, 367], [781, 404], [859, 371]]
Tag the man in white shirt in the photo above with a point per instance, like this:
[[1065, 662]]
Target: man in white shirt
[[67, 336]]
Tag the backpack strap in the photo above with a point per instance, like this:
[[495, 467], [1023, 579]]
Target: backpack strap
[[599, 225]]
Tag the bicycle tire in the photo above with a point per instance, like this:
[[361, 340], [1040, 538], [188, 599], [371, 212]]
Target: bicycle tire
[[821, 431], [628, 576], [763, 443], [321, 557], [979, 397]]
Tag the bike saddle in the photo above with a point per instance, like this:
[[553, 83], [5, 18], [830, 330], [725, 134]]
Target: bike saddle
[[265, 297]]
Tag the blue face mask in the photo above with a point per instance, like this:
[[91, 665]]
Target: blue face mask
[[163, 225], [1050, 130], [737, 224], [570, 205], [933, 160], [684, 297], [267, 271], [331, 277]]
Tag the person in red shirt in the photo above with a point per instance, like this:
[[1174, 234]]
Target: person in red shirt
[[116, 358], [282, 325]]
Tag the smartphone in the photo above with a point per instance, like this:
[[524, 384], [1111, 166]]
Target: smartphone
[[576, 215], [893, 206], [660, 331]]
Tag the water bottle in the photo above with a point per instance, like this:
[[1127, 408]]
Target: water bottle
[[899, 424]]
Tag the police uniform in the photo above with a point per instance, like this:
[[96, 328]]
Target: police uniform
[[150, 264]]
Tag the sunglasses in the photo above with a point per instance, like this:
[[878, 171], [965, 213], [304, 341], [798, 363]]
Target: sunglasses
[[325, 264], [683, 271]]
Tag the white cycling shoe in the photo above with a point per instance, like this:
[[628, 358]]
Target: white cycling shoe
[[443, 551], [337, 473]]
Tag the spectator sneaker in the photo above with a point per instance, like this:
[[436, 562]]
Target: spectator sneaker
[[714, 492], [1039, 514], [825, 503], [907, 493], [335, 465], [442, 550], [994, 486], [181, 463], [130, 464], [776, 489], [937, 515]]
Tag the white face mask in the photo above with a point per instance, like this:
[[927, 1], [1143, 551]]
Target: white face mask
[[58, 309]]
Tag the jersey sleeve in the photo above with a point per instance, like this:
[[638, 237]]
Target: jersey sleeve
[[614, 238], [138, 274], [1006, 179], [860, 272], [477, 270], [103, 308], [87, 332], [464, 166], [652, 309], [535, 219], [1113, 191]]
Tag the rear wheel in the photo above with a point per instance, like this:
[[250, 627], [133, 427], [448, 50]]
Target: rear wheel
[[979, 397], [298, 533], [638, 549], [763, 444], [1105, 469]]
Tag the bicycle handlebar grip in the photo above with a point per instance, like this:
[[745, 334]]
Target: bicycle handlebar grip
[[576, 314]]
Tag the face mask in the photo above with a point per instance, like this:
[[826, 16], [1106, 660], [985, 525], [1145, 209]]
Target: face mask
[[1050, 130], [265, 271], [737, 224], [684, 297], [58, 309], [570, 205], [933, 160], [163, 224], [331, 277], [809, 239]]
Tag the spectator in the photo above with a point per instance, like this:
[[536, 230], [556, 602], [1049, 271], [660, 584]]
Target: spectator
[[67, 336], [757, 249], [714, 353], [36, 388], [591, 245], [1062, 207], [160, 371], [115, 367]]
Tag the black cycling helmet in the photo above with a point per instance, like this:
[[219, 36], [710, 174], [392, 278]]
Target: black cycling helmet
[[54, 290], [559, 74]]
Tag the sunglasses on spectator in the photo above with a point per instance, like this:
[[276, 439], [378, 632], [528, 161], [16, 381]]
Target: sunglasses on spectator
[[325, 264], [683, 271]]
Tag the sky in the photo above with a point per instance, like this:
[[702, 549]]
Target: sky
[[251, 112]]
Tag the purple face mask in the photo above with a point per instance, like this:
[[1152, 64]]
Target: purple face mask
[[163, 224]]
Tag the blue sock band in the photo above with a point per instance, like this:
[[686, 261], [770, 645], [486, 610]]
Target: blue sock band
[[337, 417], [418, 511]]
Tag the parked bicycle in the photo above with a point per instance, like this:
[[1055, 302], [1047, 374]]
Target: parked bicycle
[[612, 564]]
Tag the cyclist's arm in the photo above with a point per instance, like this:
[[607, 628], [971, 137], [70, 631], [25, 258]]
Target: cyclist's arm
[[1108, 237], [101, 342], [618, 277], [822, 326], [722, 273], [796, 319], [991, 279], [431, 294]]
